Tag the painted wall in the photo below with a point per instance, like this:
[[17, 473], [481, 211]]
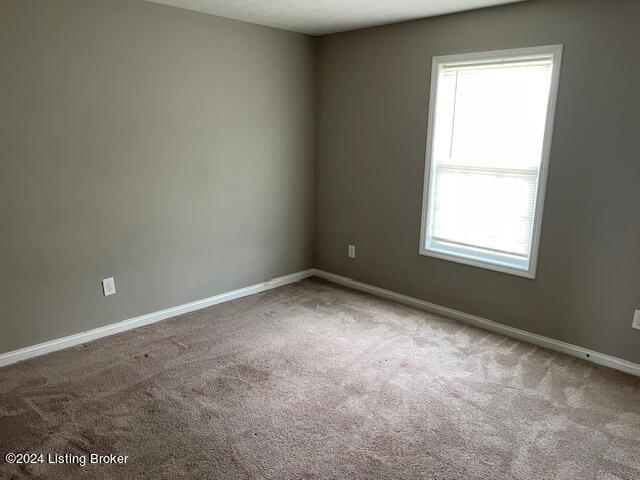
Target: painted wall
[[170, 149], [373, 105]]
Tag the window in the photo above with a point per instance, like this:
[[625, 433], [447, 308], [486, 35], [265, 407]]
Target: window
[[490, 123]]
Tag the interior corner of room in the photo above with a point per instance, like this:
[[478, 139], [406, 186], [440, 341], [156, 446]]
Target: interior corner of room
[[479, 166], [190, 156]]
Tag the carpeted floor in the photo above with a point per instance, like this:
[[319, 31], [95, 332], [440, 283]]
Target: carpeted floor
[[314, 381]]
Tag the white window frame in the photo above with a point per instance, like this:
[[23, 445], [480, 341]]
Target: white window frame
[[464, 257]]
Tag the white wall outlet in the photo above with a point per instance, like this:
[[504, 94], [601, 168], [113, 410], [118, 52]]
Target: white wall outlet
[[108, 286], [351, 251], [636, 320]]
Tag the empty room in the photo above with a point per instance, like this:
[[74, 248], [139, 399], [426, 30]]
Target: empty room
[[304, 239]]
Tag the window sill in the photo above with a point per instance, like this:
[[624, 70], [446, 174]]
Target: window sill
[[466, 258]]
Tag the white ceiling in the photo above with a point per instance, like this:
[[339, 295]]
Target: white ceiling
[[317, 17]]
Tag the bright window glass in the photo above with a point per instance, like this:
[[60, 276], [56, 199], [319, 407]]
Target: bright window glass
[[486, 159]]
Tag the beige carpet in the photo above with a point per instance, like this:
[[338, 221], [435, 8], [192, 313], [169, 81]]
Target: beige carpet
[[313, 381]]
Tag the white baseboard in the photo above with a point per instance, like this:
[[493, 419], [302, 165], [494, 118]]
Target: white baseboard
[[83, 337], [551, 344]]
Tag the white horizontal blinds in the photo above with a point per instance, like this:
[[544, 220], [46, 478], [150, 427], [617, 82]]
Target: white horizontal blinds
[[495, 212], [488, 138]]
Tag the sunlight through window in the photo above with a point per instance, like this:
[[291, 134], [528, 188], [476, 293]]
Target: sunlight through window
[[490, 122]]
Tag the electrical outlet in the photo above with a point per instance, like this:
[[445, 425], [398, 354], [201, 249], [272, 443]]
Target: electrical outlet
[[351, 251], [108, 286], [636, 320]]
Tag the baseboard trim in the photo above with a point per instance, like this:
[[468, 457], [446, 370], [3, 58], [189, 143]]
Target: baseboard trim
[[9, 358], [546, 342], [84, 337]]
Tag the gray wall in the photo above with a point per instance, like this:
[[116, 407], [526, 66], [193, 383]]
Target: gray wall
[[170, 149], [175, 151], [373, 103]]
